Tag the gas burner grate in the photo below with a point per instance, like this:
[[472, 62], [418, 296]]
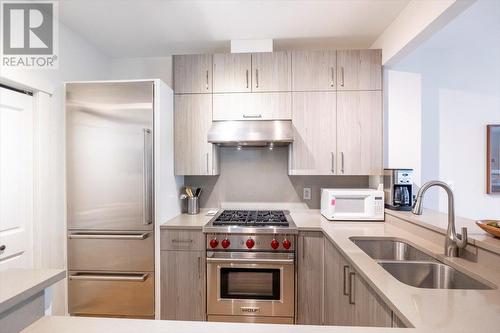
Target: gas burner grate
[[252, 218]]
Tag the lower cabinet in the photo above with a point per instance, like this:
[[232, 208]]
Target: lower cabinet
[[337, 310], [369, 308], [310, 278], [349, 300], [331, 292], [183, 287]]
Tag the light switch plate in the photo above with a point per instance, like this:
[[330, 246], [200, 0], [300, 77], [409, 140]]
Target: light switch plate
[[306, 195]]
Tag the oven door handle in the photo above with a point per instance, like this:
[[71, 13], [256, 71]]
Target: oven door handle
[[251, 261]]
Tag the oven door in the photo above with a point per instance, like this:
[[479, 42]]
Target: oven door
[[250, 284]]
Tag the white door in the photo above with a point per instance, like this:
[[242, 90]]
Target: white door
[[16, 179]]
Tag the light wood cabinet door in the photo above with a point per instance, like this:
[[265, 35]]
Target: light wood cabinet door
[[313, 151], [359, 132], [183, 295], [337, 310], [370, 310], [192, 120], [252, 106], [349, 300], [232, 72], [314, 71], [310, 278], [271, 71], [359, 70], [192, 73]]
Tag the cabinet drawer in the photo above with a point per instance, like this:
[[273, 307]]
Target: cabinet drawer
[[182, 240], [125, 251], [111, 294], [252, 106]]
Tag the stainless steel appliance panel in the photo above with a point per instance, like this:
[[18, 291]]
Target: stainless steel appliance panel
[[111, 294], [263, 300], [111, 251], [110, 155]]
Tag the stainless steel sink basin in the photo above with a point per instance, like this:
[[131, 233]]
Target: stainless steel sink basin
[[433, 275], [390, 249], [414, 267]]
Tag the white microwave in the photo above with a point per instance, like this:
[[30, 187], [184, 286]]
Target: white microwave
[[352, 204]]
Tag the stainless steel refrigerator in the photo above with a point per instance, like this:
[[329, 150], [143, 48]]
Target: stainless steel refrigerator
[[110, 198]]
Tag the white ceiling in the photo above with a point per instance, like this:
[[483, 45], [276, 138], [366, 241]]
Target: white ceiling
[[141, 28]]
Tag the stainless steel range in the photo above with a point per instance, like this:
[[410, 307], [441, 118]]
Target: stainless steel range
[[251, 266]]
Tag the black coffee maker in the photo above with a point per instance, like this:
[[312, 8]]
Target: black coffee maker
[[398, 185]]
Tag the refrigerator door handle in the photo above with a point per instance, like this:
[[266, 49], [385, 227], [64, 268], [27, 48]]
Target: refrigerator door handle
[[141, 277], [118, 236], [147, 178]]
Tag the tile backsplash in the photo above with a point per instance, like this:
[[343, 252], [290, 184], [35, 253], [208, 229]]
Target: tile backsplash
[[261, 175]]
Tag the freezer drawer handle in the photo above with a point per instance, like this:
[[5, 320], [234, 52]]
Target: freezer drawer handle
[[109, 277], [82, 235]]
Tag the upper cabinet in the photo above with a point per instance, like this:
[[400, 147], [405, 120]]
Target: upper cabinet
[[271, 71], [192, 119], [334, 99], [314, 71], [359, 132], [232, 72], [314, 139], [359, 70], [257, 106], [193, 74]]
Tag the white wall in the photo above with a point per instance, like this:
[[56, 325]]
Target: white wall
[[143, 68], [460, 93], [403, 134], [79, 60]]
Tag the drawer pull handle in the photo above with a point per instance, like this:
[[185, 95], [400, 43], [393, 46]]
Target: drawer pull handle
[[109, 277], [182, 240], [352, 282], [252, 116], [82, 235], [346, 273]]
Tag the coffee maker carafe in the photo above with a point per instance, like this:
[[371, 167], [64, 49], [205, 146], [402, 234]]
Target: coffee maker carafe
[[398, 184]]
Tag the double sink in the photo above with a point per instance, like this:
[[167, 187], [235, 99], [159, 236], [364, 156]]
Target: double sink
[[413, 267]]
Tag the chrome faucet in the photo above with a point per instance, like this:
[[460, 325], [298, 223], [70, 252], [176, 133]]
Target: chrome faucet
[[453, 241]]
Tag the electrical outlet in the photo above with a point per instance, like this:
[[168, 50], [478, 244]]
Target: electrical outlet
[[306, 195]]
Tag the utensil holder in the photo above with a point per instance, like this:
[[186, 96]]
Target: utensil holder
[[193, 205]]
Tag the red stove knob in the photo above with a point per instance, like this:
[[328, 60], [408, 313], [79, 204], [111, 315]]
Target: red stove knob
[[286, 244], [275, 244], [214, 243], [225, 243], [250, 243]]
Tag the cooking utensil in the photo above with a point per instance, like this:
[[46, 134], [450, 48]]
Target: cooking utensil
[[198, 192]]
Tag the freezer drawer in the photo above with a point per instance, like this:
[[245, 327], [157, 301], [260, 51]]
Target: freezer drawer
[[111, 251], [111, 294]]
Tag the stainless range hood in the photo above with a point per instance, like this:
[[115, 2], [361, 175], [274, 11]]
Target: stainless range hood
[[251, 133]]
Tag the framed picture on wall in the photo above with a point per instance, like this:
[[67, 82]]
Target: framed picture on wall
[[493, 159]]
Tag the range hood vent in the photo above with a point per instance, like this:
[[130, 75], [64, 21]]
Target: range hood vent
[[251, 133]]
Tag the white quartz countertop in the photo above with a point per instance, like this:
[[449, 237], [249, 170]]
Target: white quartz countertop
[[438, 222], [17, 285], [186, 221], [427, 310], [305, 219], [99, 325]]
